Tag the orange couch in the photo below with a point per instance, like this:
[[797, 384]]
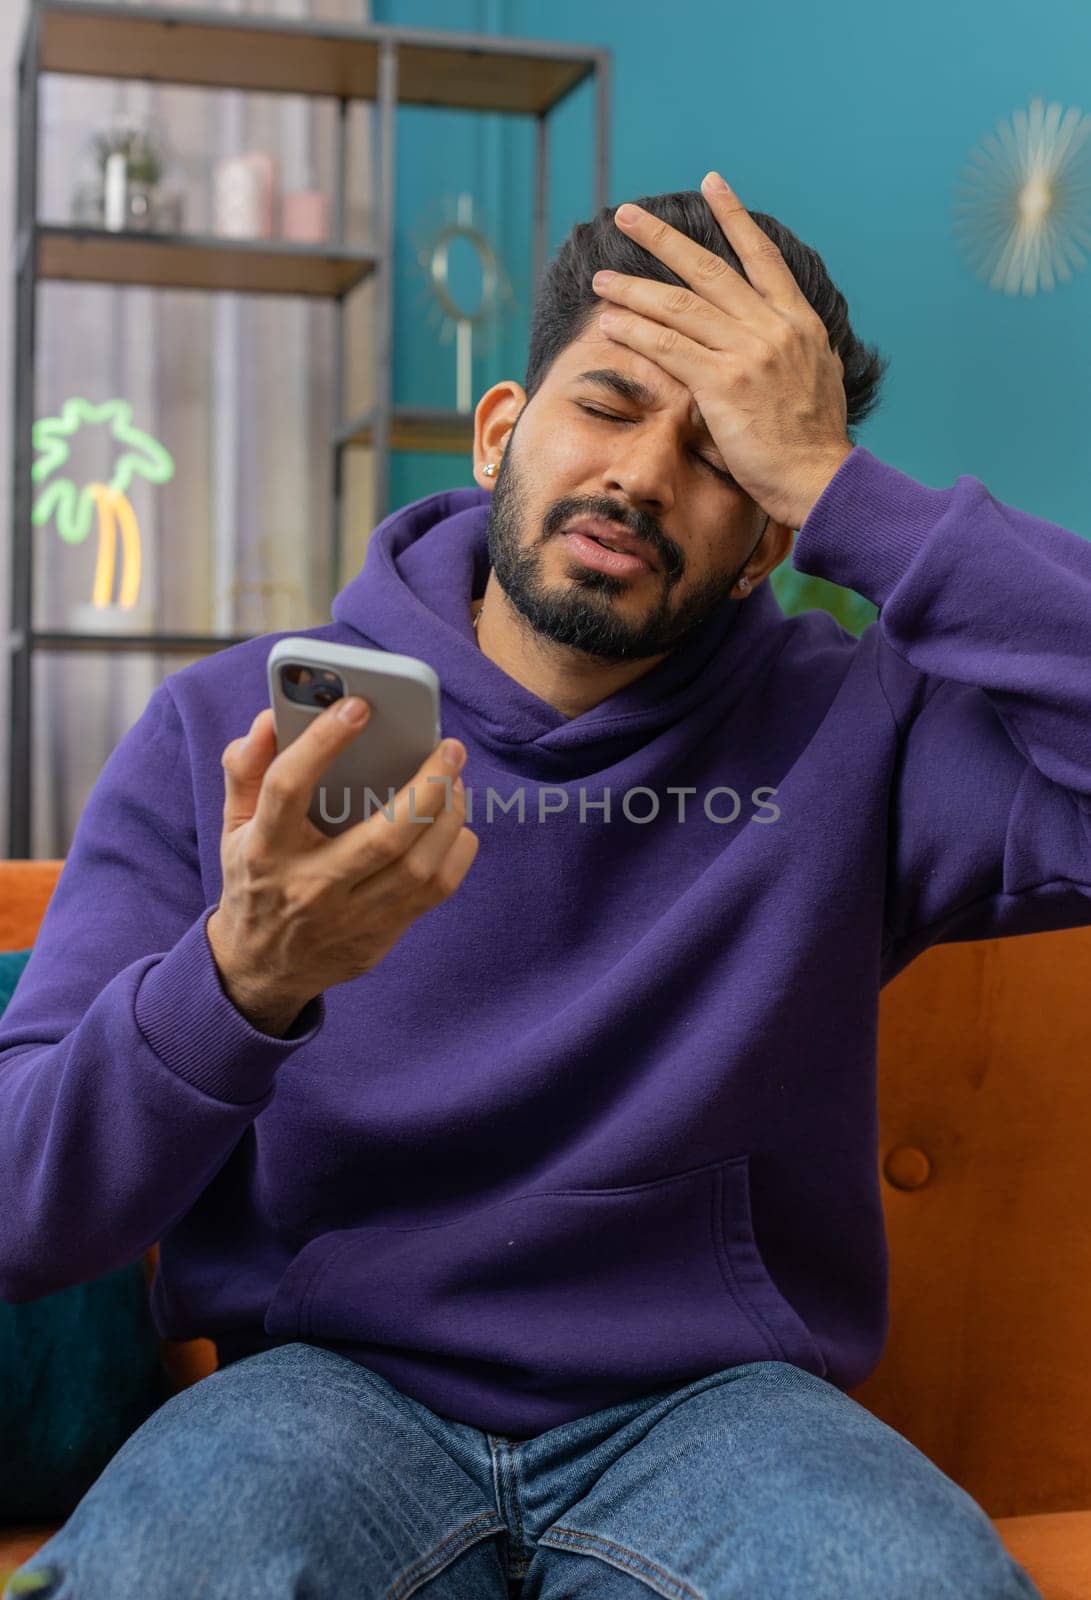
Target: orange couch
[[985, 1118]]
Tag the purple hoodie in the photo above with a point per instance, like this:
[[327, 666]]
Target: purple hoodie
[[605, 1120]]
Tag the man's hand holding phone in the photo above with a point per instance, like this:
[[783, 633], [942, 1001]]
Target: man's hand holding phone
[[300, 911]]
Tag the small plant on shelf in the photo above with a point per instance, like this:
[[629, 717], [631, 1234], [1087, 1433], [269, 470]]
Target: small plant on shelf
[[138, 144]]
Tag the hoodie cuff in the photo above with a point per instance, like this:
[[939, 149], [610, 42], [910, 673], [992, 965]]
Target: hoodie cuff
[[195, 1029], [867, 525]]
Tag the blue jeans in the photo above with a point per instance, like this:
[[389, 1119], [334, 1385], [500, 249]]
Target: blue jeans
[[297, 1472]]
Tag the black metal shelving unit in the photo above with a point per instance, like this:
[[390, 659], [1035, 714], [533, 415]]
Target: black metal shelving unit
[[386, 65]]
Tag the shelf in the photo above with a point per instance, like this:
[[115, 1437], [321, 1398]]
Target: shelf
[[417, 428], [195, 261], [183, 42], [180, 643], [214, 50]]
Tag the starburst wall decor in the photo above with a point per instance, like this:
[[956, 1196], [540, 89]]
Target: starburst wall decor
[[435, 241], [1026, 200]]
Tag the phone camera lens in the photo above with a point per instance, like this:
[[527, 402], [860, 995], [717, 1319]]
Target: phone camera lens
[[310, 686]]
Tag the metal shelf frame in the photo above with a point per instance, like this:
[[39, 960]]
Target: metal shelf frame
[[382, 64]]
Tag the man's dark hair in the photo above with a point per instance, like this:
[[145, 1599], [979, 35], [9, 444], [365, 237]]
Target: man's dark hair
[[565, 302]]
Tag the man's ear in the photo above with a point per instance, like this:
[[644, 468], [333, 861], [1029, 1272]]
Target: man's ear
[[494, 417], [774, 546]]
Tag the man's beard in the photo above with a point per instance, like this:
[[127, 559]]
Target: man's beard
[[579, 611]]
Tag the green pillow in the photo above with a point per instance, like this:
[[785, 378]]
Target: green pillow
[[80, 1371]]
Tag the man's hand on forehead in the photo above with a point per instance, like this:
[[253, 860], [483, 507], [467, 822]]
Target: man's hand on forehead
[[752, 352]]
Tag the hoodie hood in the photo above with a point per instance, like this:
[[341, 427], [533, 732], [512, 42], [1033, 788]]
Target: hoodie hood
[[424, 565]]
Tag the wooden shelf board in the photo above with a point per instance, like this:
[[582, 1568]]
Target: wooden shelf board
[[215, 50], [162, 643], [418, 428], [192, 261]]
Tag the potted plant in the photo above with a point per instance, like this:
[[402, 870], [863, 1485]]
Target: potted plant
[[122, 179]]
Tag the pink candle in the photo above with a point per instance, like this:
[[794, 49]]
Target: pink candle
[[304, 215]]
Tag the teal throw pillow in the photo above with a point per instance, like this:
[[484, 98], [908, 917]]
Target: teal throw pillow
[[80, 1371]]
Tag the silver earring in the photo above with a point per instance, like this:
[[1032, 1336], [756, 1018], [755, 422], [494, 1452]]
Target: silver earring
[[489, 469], [744, 583]]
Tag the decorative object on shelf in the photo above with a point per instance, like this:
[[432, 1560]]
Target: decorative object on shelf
[[244, 195], [304, 216], [122, 185], [435, 244], [87, 618], [74, 508], [1026, 207]]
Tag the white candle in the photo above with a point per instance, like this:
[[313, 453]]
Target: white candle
[[114, 198]]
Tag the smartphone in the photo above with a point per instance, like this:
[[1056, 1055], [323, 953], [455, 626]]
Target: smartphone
[[307, 675]]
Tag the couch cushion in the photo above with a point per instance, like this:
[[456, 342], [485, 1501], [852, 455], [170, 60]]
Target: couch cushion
[[80, 1370], [1055, 1549]]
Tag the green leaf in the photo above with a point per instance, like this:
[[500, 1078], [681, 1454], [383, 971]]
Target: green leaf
[[800, 591]]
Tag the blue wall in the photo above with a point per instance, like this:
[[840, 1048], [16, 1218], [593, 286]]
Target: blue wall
[[851, 124]]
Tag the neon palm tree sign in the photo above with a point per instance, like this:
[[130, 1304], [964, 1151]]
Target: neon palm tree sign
[[75, 508]]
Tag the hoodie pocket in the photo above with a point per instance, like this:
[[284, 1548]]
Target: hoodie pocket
[[637, 1285]]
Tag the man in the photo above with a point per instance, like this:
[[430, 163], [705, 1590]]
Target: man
[[523, 1165]]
